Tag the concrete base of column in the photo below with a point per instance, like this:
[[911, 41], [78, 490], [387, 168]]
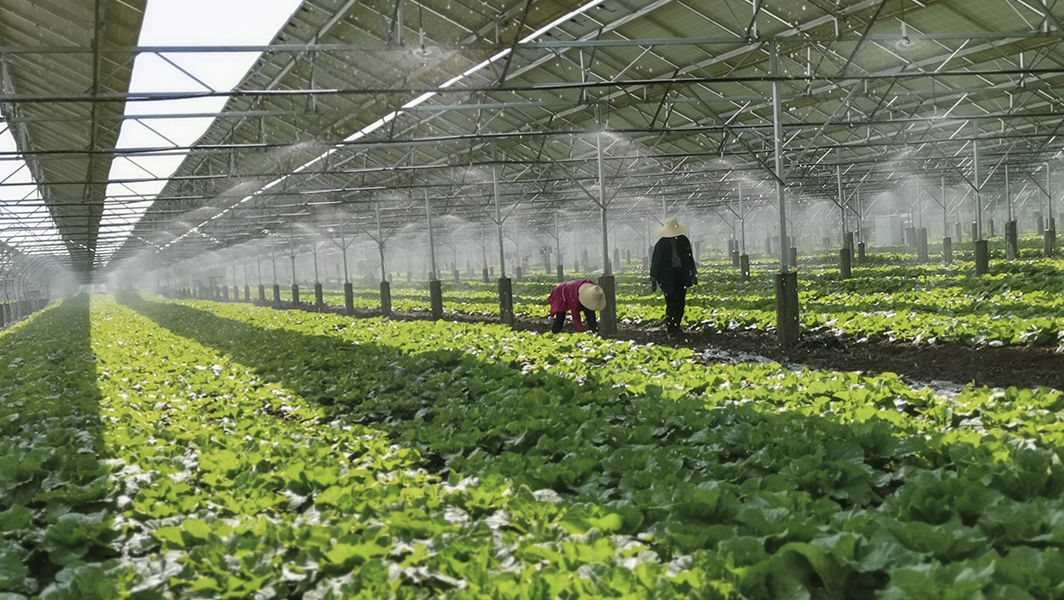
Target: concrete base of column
[[225, 293], [456, 276], [744, 265], [487, 279], [982, 257], [921, 244], [276, 293], [794, 257], [386, 299], [561, 273], [974, 230], [506, 301], [787, 309], [247, 293], [847, 242], [519, 273], [295, 294], [262, 293], [319, 296], [735, 258], [947, 251], [845, 266], [349, 299], [1049, 243], [861, 256], [436, 298], [607, 322], [1012, 242]]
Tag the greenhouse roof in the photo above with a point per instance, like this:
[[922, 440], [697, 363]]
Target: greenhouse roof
[[356, 111]]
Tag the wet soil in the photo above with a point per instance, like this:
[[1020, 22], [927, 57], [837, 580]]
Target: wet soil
[[1004, 366]]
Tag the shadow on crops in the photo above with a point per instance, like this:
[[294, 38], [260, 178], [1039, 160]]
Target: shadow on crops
[[51, 443]]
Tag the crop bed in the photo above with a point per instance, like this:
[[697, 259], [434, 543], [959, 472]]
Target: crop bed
[[1018, 304], [156, 449]]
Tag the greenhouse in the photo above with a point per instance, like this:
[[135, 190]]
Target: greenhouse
[[531, 299]]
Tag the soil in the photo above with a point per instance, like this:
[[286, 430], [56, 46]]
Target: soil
[[1004, 366]]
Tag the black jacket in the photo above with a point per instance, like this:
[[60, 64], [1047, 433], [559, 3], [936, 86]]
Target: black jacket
[[661, 264]]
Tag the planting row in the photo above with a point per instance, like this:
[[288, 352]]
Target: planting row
[[217, 450], [1017, 304]]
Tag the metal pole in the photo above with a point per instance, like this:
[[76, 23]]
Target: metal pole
[[978, 183], [557, 239], [1008, 193], [432, 244], [842, 196], [742, 221], [343, 250], [498, 213], [777, 127], [945, 210], [1049, 197], [606, 270], [380, 245], [919, 206]]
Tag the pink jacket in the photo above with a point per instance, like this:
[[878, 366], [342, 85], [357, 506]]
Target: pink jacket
[[566, 298]]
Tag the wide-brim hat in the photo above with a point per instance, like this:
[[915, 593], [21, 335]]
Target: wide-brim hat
[[592, 297], [671, 228]]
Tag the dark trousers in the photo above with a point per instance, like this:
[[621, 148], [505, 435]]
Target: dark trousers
[[675, 301], [559, 321]]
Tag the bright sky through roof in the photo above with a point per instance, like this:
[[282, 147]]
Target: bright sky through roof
[[381, 122], [180, 23]]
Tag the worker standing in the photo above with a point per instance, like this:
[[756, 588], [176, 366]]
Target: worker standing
[[673, 269]]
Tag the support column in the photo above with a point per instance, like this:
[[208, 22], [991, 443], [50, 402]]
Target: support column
[[982, 257], [845, 268], [861, 257], [561, 273], [349, 298], [506, 293], [386, 299], [436, 298], [506, 301], [744, 265], [295, 294], [608, 323], [262, 293], [277, 293], [921, 244], [786, 282], [947, 251], [1012, 242], [247, 293], [319, 297], [608, 317], [1049, 243]]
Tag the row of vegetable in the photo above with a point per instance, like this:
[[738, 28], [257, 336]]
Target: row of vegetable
[[1018, 303], [157, 449]]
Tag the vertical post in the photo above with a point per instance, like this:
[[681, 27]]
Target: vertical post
[[742, 221], [432, 244], [349, 292], [1050, 242], [506, 296], [982, 253], [608, 320], [435, 285], [558, 249], [786, 281], [386, 289], [842, 199]]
